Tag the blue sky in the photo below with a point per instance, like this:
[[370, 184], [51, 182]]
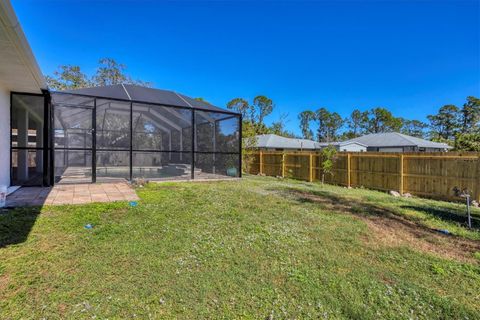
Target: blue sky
[[409, 56]]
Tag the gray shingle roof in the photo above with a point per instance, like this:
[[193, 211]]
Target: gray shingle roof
[[147, 95], [273, 141], [390, 139], [277, 142], [395, 139]]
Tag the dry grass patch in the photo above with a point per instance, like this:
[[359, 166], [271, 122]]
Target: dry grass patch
[[389, 229]]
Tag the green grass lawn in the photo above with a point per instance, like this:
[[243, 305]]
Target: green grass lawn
[[258, 248]]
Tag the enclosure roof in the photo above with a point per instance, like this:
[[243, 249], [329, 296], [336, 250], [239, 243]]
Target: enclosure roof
[[395, 139], [147, 95]]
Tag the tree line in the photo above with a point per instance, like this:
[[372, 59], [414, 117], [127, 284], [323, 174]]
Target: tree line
[[457, 126], [254, 114], [108, 72]]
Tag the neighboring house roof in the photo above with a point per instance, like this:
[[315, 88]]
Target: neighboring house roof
[[19, 71], [278, 142], [273, 141], [395, 139], [390, 139], [147, 95]]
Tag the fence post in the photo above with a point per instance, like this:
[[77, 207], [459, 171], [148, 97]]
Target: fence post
[[401, 175], [478, 179], [261, 163], [283, 164], [349, 178], [310, 179]]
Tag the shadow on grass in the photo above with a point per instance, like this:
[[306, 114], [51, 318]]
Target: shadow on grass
[[362, 208], [390, 226], [449, 215], [15, 225], [346, 205]]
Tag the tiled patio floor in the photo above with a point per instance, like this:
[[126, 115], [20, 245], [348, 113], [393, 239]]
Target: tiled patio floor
[[71, 194]]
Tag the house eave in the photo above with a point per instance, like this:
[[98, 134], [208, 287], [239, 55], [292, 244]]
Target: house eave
[[19, 71]]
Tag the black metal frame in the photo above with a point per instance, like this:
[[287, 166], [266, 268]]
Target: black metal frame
[[131, 141], [131, 150], [240, 128], [94, 141], [46, 137], [192, 147]]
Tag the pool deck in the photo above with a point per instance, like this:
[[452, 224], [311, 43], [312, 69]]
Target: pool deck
[[76, 175], [71, 194]]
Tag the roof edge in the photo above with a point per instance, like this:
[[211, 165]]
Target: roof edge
[[409, 141], [407, 137], [15, 33]]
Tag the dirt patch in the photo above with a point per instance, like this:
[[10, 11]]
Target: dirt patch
[[391, 230], [4, 279], [62, 308]]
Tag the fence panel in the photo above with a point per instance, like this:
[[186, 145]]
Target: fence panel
[[380, 172], [339, 171], [424, 174], [438, 175], [297, 166], [272, 164], [251, 162]]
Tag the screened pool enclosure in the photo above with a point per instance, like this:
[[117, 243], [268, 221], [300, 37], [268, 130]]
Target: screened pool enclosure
[[129, 132]]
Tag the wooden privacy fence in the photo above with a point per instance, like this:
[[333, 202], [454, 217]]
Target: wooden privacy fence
[[432, 175]]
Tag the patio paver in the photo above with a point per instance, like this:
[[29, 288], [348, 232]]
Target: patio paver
[[71, 194]]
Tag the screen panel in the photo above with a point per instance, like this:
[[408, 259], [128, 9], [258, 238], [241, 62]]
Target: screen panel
[[72, 127], [216, 132], [215, 165], [73, 166], [113, 165], [162, 165], [113, 124], [159, 128]]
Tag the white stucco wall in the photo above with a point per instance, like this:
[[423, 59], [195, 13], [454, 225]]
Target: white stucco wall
[[4, 136], [353, 147]]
